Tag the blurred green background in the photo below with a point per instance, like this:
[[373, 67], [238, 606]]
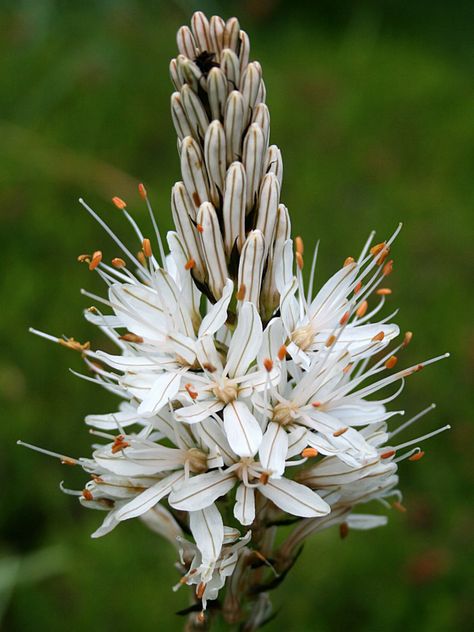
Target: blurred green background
[[372, 104]]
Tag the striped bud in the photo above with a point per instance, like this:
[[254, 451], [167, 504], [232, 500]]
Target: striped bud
[[217, 26], [244, 51], [217, 92], [273, 160], [193, 171], [267, 209], [213, 248], [262, 93], [249, 86], [261, 116], [252, 157], [201, 31], [233, 125], [195, 112], [270, 297], [190, 73], [215, 157], [251, 267], [233, 208], [231, 34], [174, 75], [230, 66], [183, 210], [180, 120], [186, 42]]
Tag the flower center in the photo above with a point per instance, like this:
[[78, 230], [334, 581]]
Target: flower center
[[225, 390], [303, 336], [283, 413], [197, 461]]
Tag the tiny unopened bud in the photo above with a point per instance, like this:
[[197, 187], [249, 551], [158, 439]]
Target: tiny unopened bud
[[119, 203]]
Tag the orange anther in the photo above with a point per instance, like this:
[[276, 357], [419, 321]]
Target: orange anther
[[141, 257], [282, 353], [331, 340], [142, 190], [117, 262], [391, 362], [299, 260], [361, 310], [398, 506], [268, 364], [407, 338], [200, 228], [84, 258], [189, 265], [347, 368], [119, 444], [200, 590], [191, 392], [240, 295], [209, 367], [87, 495], [309, 453], [119, 203], [341, 431], [316, 404], [264, 478], [388, 267], [378, 337], [388, 454], [358, 287], [377, 248], [383, 255], [348, 261], [299, 245], [70, 343], [344, 318], [67, 461], [384, 291], [343, 530], [417, 456], [129, 337], [147, 248], [96, 259]]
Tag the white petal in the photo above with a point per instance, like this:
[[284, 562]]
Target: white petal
[[207, 354], [297, 441], [274, 448], [245, 342], [208, 532], [366, 521], [198, 412], [217, 315], [242, 429], [109, 523], [244, 508], [148, 499], [273, 338], [163, 390], [201, 491], [139, 309], [295, 499]]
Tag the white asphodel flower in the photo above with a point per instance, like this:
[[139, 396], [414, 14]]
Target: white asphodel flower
[[246, 400]]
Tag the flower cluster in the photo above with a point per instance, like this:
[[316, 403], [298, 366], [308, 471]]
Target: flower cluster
[[247, 401]]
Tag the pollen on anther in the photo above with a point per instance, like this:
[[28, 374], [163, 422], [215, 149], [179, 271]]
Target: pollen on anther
[[147, 248], [375, 250], [117, 262], [84, 258], [343, 530], [200, 590], [299, 260], [282, 353], [398, 506], [407, 338], [141, 257], [330, 341], [388, 454], [309, 453], [417, 456], [378, 337], [240, 295], [341, 431], [384, 291], [391, 362], [200, 228], [119, 203], [316, 404], [299, 245], [344, 318], [189, 265], [388, 268], [87, 495], [361, 310], [142, 191], [191, 392], [268, 364], [68, 461], [264, 478], [96, 259], [130, 337], [358, 287], [348, 261]]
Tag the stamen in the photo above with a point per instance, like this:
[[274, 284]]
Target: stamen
[[398, 506], [378, 337], [331, 340], [75, 345], [423, 438], [383, 291], [130, 337], [341, 431], [388, 454], [264, 478], [344, 318], [268, 364], [84, 258], [146, 245], [96, 259], [391, 362], [190, 264], [411, 421], [87, 495], [299, 245], [119, 203], [299, 260], [67, 460], [375, 250], [117, 262], [309, 453], [417, 456], [348, 261], [282, 353], [142, 191], [388, 268], [361, 310], [343, 530], [407, 338], [358, 287], [191, 392]]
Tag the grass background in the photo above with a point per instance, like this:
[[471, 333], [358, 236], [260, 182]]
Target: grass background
[[372, 105]]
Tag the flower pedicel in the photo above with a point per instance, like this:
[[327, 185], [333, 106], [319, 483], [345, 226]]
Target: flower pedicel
[[246, 400]]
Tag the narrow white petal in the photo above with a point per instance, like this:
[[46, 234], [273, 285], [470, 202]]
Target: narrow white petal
[[244, 508], [242, 429], [245, 342], [208, 532], [198, 412], [295, 499], [148, 499], [163, 390], [201, 491], [273, 449], [217, 315]]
